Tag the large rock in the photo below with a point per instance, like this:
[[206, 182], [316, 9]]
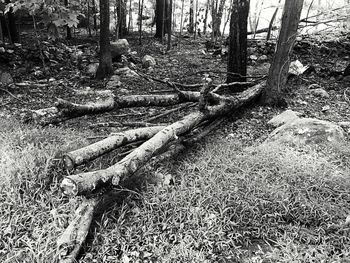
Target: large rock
[[5, 78], [283, 118], [148, 61], [119, 48], [308, 131]]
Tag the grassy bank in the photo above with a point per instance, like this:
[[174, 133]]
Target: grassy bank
[[222, 202]]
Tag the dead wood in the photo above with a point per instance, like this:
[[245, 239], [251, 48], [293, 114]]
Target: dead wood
[[108, 144], [65, 110], [85, 183], [70, 242]]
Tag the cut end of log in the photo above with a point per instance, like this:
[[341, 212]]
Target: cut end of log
[[69, 187], [69, 163], [115, 180]]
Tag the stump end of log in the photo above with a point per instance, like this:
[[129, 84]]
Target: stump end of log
[[69, 162], [69, 187]]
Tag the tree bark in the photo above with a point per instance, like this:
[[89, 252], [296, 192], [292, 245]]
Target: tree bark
[[218, 18], [237, 54], [12, 28], [205, 21], [191, 21], [87, 182], [65, 110], [170, 7], [68, 29], [105, 67], [92, 151], [72, 239], [161, 17], [278, 73]]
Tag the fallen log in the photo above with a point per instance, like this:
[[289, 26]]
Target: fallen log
[[70, 242], [92, 151], [65, 110], [85, 183]]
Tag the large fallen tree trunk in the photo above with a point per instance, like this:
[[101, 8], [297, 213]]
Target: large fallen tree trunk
[[99, 148], [85, 183], [65, 110]]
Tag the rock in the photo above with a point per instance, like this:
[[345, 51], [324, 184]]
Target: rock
[[308, 131], [253, 57], [119, 48], [126, 72], [114, 82], [344, 124], [262, 58], [325, 108], [148, 61], [5, 78], [283, 118], [2, 50], [320, 93], [92, 69]]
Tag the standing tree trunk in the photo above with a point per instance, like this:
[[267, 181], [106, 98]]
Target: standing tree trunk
[[140, 20], [11, 25], [277, 78], [237, 54], [121, 10], [161, 17], [94, 12], [170, 6], [205, 21], [69, 32], [130, 17], [218, 18], [272, 21], [191, 23], [88, 18], [105, 67]]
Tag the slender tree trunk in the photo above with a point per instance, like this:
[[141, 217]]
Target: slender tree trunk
[[121, 10], [272, 21], [11, 25], [218, 18], [105, 67], [191, 23], [205, 21], [170, 6], [94, 11], [195, 20], [69, 32], [140, 22], [88, 18], [237, 55], [277, 78], [130, 17]]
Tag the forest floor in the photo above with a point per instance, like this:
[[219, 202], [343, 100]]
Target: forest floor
[[228, 199]]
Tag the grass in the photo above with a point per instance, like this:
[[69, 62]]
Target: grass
[[33, 212], [224, 203]]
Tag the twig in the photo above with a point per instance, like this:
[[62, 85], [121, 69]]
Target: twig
[[13, 96], [170, 111], [225, 72]]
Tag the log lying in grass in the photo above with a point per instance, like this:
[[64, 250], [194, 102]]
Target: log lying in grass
[[85, 183], [70, 242], [65, 110], [106, 145]]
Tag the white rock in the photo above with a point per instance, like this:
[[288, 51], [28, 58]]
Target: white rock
[[283, 118], [148, 61], [308, 131], [320, 93], [92, 69], [262, 58]]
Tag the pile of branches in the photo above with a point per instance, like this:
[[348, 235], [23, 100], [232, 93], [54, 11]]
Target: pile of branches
[[158, 143]]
